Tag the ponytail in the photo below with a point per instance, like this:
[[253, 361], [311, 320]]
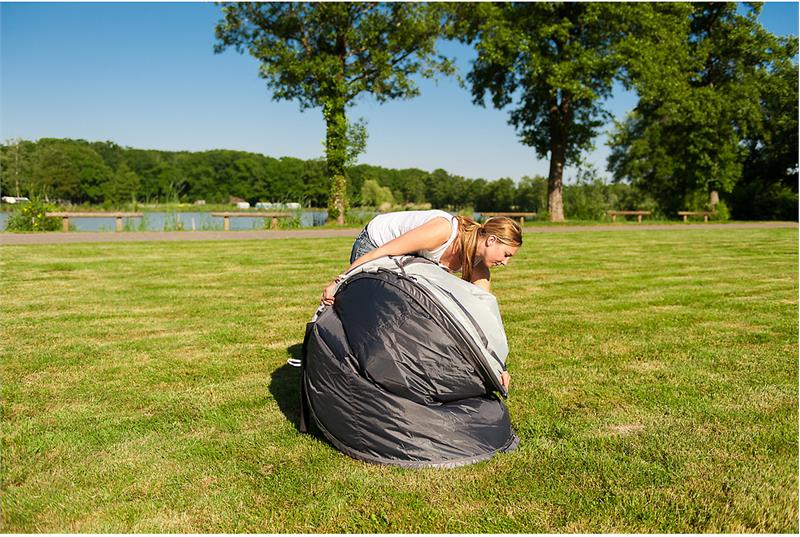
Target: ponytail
[[468, 231], [471, 232]]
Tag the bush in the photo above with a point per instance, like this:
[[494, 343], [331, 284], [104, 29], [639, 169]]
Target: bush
[[723, 213], [31, 217], [285, 223]]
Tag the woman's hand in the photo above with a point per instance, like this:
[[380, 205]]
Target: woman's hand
[[327, 293], [505, 379]]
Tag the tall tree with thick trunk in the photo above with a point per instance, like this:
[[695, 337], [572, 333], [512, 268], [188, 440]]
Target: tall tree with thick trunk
[[553, 63], [705, 87], [325, 54]]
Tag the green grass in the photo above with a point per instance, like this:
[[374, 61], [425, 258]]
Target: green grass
[[654, 387]]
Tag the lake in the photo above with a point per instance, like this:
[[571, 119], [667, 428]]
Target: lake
[[170, 221]]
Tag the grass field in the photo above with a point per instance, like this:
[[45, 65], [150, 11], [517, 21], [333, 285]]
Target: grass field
[[654, 387]]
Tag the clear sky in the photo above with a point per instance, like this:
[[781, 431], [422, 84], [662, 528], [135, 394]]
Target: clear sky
[[145, 75]]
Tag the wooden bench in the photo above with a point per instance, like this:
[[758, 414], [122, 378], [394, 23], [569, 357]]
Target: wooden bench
[[521, 216], [637, 214], [118, 216], [704, 214], [274, 216]]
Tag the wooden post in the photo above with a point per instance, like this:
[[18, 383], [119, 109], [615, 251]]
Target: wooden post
[[227, 223], [521, 221], [685, 217], [614, 217], [705, 218], [274, 224], [119, 223], [639, 218], [65, 222]]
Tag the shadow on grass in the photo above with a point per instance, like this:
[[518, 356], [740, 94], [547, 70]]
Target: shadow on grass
[[284, 386]]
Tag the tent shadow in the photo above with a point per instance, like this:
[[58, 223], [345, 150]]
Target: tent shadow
[[284, 386]]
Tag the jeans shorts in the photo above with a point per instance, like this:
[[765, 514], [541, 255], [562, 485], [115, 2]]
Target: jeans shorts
[[362, 245]]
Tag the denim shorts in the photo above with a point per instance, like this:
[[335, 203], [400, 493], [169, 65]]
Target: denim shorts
[[362, 245]]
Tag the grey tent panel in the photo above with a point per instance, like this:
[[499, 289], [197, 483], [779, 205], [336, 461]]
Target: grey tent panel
[[403, 368]]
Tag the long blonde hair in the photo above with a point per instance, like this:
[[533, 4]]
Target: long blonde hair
[[470, 232]]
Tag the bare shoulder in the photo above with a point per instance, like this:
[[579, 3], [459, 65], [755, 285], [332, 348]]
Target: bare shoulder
[[441, 224]]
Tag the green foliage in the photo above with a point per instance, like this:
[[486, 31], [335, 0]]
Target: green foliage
[[532, 195], [375, 195], [590, 197], [554, 64], [723, 213], [325, 54], [285, 223], [31, 217], [703, 73], [123, 186]]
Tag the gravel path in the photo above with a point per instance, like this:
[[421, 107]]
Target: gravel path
[[147, 236]]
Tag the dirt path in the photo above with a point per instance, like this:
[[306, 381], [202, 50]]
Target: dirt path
[[146, 236]]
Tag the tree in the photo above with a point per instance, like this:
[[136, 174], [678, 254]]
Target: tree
[[324, 55], [554, 62], [702, 82], [497, 196], [768, 187], [375, 195], [68, 170], [16, 167], [123, 186], [532, 194]]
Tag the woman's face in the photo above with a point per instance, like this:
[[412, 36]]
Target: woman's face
[[496, 253]]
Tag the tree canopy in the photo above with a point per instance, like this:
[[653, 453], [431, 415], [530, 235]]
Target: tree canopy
[[325, 54], [709, 81], [552, 63]]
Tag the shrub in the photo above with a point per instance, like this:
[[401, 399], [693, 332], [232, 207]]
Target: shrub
[[31, 217], [723, 213]]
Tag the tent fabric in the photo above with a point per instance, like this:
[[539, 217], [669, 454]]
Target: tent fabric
[[404, 367]]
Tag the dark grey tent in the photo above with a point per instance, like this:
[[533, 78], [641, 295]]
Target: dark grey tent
[[404, 368]]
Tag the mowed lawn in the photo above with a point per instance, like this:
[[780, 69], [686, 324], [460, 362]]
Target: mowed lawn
[[654, 388]]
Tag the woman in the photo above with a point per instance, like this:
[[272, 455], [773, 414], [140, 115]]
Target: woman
[[456, 243]]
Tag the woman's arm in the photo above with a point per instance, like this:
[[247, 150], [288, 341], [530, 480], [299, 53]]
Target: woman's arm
[[481, 277], [428, 236]]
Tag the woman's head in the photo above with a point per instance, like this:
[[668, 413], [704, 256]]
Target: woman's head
[[494, 242]]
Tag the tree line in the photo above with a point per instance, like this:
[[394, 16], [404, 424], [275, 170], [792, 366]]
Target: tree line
[[82, 172], [105, 173]]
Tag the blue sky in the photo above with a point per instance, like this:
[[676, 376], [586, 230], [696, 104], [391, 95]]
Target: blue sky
[[145, 75]]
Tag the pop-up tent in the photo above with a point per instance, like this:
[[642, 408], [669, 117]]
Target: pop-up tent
[[404, 368]]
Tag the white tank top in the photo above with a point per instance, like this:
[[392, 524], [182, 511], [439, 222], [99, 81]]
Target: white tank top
[[386, 227]]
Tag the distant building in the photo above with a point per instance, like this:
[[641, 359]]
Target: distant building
[[242, 205], [199, 202]]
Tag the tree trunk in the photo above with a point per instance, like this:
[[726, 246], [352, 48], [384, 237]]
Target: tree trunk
[[555, 202], [713, 199], [335, 156], [560, 120]]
